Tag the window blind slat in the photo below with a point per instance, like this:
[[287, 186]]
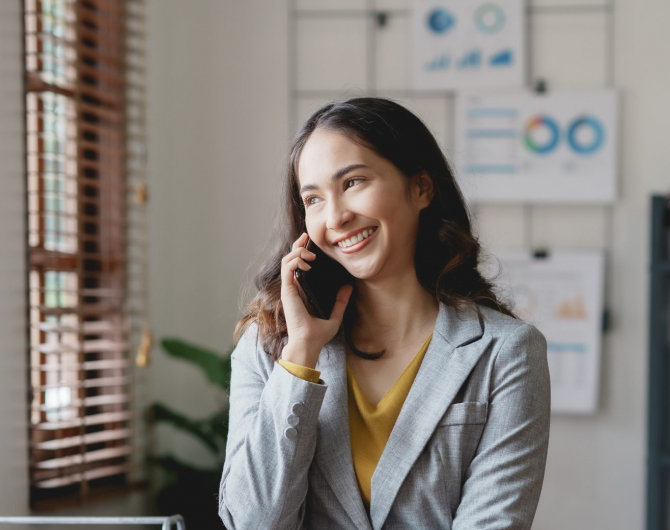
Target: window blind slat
[[90, 365], [91, 456], [85, 476], [86, 439], [88, 383], [96, 419], [86, 421], [106, 399], [86, 327]]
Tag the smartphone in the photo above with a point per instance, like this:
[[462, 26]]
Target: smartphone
[[321, 283]]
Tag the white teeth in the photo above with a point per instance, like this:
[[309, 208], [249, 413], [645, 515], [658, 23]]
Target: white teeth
[[355, 239]]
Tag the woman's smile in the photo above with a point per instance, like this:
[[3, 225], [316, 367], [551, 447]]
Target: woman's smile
[[360, 245]]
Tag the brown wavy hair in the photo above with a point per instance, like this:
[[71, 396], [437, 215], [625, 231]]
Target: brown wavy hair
[[447, 252]]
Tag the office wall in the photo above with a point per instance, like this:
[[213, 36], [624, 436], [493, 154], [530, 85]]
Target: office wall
[[217, 128], [13, 375]]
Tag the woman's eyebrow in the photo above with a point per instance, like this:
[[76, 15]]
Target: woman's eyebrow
[[336, 176]]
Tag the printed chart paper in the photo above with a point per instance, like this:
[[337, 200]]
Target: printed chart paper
[[562, 295], [519, 146], [468, 44]]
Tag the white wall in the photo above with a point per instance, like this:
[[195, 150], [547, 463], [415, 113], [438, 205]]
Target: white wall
[[217, 128], [13, 374]]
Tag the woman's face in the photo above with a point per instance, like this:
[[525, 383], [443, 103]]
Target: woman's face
[[369, 197]]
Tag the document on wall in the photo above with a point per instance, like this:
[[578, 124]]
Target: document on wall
[[562, 295], [520, 146], [471, 44]]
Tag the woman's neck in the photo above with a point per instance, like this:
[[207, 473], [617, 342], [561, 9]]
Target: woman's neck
[[394, 313]]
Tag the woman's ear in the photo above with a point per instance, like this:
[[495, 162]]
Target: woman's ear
[[423, 189]]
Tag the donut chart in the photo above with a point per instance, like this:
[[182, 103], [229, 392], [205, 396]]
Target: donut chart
[[585, 123], [490, 18], [521, 146], [537, 124]]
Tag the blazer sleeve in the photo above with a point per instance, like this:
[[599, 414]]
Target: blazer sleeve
[[304, 372], [504, 479], [271, 441]]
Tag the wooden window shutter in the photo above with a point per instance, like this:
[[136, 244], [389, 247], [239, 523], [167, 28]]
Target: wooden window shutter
[[87, 264]]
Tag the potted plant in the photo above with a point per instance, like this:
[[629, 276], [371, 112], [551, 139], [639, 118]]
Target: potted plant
[[186, 489]]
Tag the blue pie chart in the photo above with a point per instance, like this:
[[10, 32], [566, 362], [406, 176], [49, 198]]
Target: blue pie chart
[[440, 20]]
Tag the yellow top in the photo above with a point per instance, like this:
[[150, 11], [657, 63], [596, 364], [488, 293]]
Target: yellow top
[[369, 425]]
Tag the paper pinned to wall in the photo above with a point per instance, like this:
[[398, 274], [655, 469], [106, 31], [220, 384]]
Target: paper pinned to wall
[[459, 44], [562, 295], [519, 146]]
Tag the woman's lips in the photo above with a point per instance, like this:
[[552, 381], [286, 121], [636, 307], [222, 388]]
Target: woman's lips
[[358, 246]]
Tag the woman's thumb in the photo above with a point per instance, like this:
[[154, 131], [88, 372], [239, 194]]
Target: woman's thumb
[[341, 302]]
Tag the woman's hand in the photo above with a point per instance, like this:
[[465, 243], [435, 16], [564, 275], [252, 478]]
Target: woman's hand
[[307, 335]]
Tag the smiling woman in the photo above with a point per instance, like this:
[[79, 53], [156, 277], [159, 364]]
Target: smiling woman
[[366, 163], [422, 402]]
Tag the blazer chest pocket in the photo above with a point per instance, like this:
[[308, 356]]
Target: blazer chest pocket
[[465, 413]]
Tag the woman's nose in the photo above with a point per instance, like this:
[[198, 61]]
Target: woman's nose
[[338, 214]]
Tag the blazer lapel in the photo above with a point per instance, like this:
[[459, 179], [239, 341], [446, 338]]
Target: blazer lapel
[[451, 355], [333, 446]]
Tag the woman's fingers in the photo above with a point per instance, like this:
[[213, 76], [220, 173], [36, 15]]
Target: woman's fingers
[[300, 324], [300, 242], [341, 301], [292, 261], [299, 263]]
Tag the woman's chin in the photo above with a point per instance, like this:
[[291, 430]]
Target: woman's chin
[[362, 273]]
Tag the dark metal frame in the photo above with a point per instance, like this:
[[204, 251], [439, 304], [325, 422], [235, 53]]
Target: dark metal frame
[[658, 427]]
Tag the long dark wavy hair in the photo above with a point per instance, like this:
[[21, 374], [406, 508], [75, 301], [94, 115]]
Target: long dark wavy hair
[[447, 252]]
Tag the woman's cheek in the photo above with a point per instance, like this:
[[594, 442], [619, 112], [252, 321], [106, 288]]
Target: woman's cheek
[[374, 205]]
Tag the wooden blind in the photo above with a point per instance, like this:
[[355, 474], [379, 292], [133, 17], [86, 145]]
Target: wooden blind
[[84, 151]]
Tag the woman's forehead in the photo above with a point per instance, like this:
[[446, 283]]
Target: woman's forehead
[[329, 152]]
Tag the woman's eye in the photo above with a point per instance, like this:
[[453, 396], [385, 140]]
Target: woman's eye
[[308, 200]]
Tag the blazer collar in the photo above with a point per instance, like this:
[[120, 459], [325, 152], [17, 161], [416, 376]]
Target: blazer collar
[[452, 353]]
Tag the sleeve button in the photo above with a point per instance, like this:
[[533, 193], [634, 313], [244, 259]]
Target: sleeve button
[[290, 433], [293, 420], [297, 408]]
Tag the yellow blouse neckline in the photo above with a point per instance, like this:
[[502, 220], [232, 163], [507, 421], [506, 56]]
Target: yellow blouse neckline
[[360, 392]]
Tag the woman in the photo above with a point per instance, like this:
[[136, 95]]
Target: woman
[[423, 402]]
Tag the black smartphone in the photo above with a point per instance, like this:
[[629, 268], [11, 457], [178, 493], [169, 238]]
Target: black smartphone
[[321, 283]]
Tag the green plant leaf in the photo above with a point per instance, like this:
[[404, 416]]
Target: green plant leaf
[[215, 367], [219, 423], [227, 369], [202, 429]]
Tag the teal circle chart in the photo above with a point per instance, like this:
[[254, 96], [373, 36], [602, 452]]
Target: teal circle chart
[[582, 123], [544, 122], [489, 18], [440, 20]]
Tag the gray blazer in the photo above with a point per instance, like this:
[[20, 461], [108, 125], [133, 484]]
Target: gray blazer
[[467, 452]]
